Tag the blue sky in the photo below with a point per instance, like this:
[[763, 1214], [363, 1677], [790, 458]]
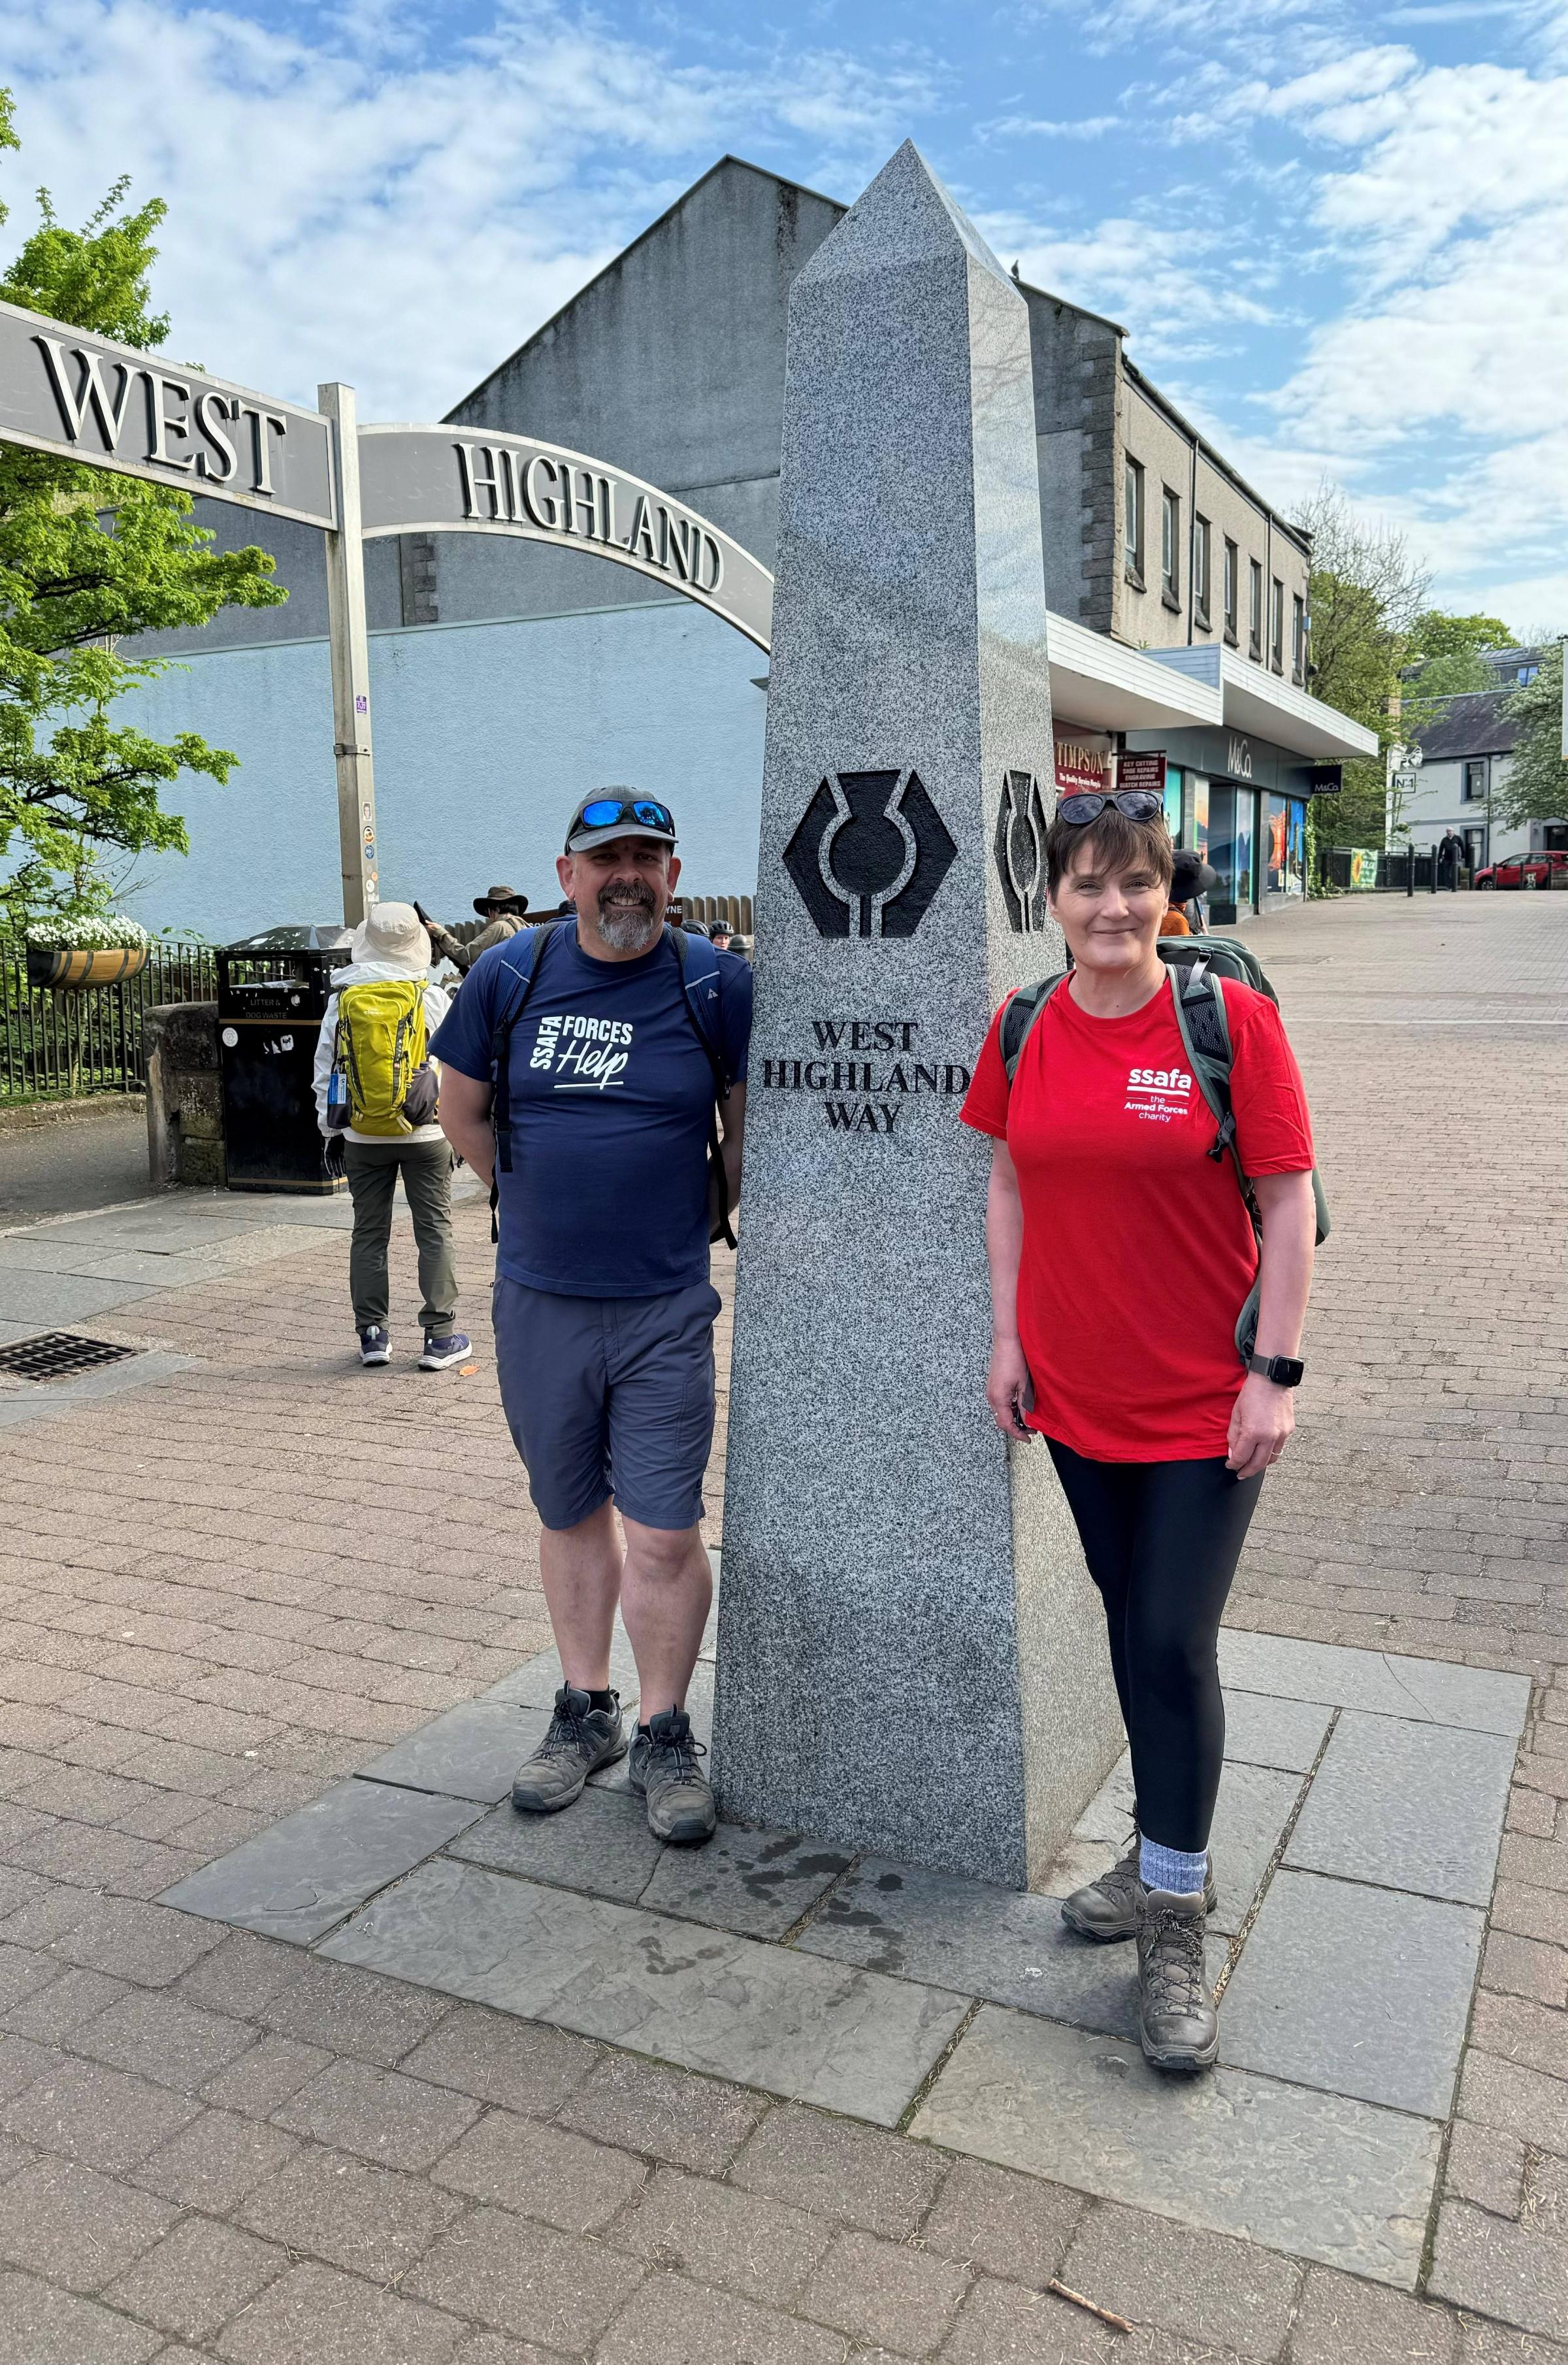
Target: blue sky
[[1336, 232]]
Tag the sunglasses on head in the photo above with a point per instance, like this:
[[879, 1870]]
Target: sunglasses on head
[[604, 811], [1139, 804]]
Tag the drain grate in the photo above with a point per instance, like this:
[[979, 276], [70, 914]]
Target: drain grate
[[55, 1354]]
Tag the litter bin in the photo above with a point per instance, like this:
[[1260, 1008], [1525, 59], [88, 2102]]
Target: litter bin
[[272, 994]]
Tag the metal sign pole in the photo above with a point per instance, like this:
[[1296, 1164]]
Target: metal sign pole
[[351, 666]]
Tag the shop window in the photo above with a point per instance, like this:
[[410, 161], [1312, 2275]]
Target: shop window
[[1200, 549], [1298, 638], [1171, 548], [1232, 591], [1132, 520], [1277, 625], [1255, 608], [1173, 802]]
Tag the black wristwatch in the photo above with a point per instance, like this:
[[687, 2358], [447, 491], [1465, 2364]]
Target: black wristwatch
[[1286, 1371]]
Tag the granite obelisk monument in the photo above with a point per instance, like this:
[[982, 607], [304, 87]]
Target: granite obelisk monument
[[911, 1658]]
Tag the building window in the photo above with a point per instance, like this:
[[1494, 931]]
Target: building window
[[1255, 608], [1201, 546], [1232, 591], [1298, 637], [1170, 549], [1473, 788], [1277, 625], [1132, 501], [1525, 673]]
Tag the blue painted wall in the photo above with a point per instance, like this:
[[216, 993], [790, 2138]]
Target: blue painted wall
[[485, 736]]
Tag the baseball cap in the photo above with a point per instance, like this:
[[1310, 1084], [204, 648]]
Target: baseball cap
[[619, 813]]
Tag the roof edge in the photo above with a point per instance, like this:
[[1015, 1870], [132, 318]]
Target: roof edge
[[761, 172], [1217, 459]]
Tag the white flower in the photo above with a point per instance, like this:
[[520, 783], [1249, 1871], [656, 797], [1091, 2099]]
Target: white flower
[[108, 932]]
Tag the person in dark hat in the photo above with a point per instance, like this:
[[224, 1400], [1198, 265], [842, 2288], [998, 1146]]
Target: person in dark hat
[[501, 908], [1190, 877]]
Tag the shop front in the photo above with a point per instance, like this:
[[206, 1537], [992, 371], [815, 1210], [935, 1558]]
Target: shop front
[[1240, 803]]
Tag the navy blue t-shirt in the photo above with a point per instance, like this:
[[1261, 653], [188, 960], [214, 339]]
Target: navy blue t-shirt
[[609, 1097]]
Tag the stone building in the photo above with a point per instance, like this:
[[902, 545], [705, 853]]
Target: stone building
[[511, 677]]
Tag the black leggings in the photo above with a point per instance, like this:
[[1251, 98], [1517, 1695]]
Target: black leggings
[[1163, 1539]]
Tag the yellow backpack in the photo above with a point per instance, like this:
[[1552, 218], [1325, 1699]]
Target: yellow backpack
[[380, 1046]]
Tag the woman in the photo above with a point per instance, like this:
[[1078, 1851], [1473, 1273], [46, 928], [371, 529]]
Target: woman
[[1121, 1253]]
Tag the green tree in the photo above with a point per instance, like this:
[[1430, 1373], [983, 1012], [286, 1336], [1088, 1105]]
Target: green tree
[[1367, 593], [1446, 662], [88, 558], [1534, 787], [1436, 634]]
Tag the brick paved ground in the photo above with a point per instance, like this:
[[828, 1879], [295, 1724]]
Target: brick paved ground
[[223, 1590]]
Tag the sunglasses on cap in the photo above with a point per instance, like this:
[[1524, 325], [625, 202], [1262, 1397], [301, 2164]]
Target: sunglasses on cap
[[603, 812], [1139, 804]]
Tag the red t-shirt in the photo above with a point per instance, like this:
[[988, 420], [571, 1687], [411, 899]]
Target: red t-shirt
[[1139, 1251]]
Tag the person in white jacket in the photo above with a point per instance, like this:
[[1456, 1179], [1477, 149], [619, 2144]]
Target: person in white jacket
[[391, 944]]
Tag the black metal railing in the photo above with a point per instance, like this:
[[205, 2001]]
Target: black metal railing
[[59, 1042]]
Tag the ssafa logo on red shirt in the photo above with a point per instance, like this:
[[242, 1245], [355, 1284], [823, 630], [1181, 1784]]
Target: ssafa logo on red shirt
[[1157, 1094]]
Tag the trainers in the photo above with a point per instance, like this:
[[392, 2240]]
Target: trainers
[[375, 1345], [1177, 2020], [581, 1740], [665, 1771], [444, 1349], [1107, 1907]]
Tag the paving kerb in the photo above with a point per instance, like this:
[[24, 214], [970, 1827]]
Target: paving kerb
[[152, 1552]]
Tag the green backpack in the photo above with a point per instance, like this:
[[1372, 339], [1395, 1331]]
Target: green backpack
[[1197, 966]]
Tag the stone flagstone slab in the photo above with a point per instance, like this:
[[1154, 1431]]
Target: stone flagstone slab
[[704, 2000], [986, 1941], [1409, 1806], [470, 1752], [1259, 1730], [1359, 1990], [1315, 2174], [537, 1681], [1250, 1815], [759, 1883], [1379, 1681], [316, 1866], [602, 1846]]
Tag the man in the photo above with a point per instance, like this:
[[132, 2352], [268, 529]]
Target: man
[[380, 1142], [1452, 855], [610, 1036], [501, 909]]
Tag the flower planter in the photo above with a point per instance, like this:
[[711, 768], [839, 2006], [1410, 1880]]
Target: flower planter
[[66, 966]]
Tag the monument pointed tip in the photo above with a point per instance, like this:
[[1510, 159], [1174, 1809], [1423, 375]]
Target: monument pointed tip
[[906, 212]]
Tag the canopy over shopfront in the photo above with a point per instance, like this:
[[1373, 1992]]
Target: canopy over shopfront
[[1244, 751]]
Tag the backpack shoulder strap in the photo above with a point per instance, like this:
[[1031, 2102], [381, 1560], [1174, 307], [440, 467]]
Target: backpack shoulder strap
[[1199, 997], [509, 1002], [1021, 1018], [701, 975]]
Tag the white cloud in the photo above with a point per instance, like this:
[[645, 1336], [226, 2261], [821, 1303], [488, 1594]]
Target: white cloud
[[382, 203], [1024, 127]]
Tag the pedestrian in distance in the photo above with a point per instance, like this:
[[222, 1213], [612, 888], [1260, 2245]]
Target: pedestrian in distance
[[502, 909], [1124, 1259], [586, 1070], [1452, 855], [1190, 877], [722, 935], [376, 1096]]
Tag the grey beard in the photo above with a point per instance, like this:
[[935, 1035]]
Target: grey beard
[[628, 927]]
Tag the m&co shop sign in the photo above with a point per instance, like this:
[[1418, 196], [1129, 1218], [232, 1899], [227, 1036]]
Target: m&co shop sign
[[1082, 764]]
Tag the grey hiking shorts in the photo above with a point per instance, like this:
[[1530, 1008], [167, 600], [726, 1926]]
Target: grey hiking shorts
[[609, 1398]]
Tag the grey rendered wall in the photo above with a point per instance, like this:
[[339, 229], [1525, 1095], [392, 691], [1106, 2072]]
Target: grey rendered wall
[[1076, 374]]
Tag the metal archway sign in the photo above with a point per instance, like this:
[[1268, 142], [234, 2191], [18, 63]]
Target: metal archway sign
[[87, 398]]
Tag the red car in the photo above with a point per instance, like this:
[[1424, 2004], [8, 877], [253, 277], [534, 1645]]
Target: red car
[[1526, 871]]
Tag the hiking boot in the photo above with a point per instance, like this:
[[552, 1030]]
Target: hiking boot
[[1177, 2020], [442, 1349], [581, 1740], [1107, 1907], [665, 1771], [375, 1345]]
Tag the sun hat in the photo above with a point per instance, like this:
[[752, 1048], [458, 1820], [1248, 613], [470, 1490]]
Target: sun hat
[[391, 933], [626, 814], [1190, 876], [499, 896]]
